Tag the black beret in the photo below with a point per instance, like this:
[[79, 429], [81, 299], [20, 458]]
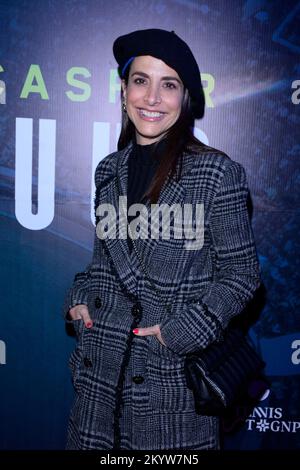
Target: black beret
[[169, 48]]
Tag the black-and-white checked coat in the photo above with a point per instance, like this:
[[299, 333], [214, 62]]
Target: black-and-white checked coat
[[131, 391]]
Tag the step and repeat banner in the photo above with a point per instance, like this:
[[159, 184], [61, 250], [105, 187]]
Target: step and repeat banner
[[60, 115]]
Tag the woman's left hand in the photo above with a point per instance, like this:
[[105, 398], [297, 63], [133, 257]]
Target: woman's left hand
[[150, 331]]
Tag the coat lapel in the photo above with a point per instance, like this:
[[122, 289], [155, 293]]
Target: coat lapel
[[117, 246], [172, 192]]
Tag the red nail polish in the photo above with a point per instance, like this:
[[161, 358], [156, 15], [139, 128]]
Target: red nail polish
[[89, 324], [135, 331]]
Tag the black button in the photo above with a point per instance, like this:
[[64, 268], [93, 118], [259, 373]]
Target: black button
[[131, 296], [138, 379], [137, 310], [98, 302], [87, 362]]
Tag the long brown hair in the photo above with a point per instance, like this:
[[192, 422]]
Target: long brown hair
[[178, 138]]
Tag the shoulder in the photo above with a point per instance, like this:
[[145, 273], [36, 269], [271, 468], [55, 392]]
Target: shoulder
[[214, 164], [107, 167]]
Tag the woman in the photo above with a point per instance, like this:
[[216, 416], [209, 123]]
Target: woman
[[143, 304]]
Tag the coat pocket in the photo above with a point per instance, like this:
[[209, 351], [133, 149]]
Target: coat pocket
[[78, 326], [74, 365], [168, 390]]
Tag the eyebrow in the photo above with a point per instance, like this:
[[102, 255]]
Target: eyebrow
[[143, 74]]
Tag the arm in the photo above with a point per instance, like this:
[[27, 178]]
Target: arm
[[77, 294], [237, 273]]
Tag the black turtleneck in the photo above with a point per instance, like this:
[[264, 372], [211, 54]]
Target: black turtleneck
[[142, 165]]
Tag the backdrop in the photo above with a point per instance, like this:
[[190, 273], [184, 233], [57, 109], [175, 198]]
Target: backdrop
[[59, 116]]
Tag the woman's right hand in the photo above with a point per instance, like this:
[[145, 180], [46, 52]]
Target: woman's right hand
[[81, 312]]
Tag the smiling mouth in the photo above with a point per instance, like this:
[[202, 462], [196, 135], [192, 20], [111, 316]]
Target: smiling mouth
[[155, 115]]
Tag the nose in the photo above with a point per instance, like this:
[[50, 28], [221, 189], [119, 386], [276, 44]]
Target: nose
[[152, 95]]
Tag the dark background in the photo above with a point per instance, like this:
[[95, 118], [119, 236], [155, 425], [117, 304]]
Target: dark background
[[249, 50]]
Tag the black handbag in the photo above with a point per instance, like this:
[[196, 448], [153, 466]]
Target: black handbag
[[229, 372]]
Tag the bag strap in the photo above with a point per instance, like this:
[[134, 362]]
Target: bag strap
[[167, 307]]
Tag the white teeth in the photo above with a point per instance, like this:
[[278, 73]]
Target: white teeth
[[150, 114]]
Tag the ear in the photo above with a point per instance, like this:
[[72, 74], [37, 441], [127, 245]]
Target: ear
[[124, 88]]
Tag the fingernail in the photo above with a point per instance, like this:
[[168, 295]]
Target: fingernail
[[135, 331], [89, 324]]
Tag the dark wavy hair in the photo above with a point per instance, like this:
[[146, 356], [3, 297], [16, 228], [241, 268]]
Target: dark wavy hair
[[179, 138]]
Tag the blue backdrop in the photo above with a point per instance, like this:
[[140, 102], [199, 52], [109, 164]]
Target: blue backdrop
[[59, 115]]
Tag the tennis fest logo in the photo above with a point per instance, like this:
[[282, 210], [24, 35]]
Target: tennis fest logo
[[261, 419], [268, 419]]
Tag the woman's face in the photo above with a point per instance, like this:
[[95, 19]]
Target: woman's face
[[153, 98]]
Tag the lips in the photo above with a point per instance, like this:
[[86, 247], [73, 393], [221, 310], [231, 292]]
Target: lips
[[150, 115]]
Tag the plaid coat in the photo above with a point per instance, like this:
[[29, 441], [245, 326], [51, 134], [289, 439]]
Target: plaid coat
[[130, 391]]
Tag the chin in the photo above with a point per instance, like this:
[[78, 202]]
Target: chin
[[150, 135], [150, 138]]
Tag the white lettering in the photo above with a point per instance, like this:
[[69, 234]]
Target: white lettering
[[2, 89], [100, 150], [138, 228], [106, 227], [275, 426], [278, 413], [259, 412], [250, 424], [286, 425], [296, 94], [46, 173], [296, 425], [296, 354], [2, 352]]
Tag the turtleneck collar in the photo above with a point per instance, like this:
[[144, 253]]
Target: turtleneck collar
[[145, 153]]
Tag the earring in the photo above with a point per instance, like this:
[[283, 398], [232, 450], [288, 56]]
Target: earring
[[124, 106]]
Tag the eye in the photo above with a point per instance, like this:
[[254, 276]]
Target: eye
[[139, 81], [170, 85]]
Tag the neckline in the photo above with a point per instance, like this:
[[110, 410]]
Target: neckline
[[144, 154], [148, 146]]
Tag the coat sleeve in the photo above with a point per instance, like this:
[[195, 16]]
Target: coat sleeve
[[78, 293], [237, 272]]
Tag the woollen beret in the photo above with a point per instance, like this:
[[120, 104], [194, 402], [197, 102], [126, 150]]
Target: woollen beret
[[169, 48]]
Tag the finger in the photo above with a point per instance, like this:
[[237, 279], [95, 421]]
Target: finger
[[86, 318], [159, 337], [74, 313], [80, 312], [147, 331]]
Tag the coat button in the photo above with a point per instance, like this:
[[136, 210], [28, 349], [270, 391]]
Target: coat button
[[131, 297], [138, 379], [98, 302], [87, 362], [137, 310], [117, 443]]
